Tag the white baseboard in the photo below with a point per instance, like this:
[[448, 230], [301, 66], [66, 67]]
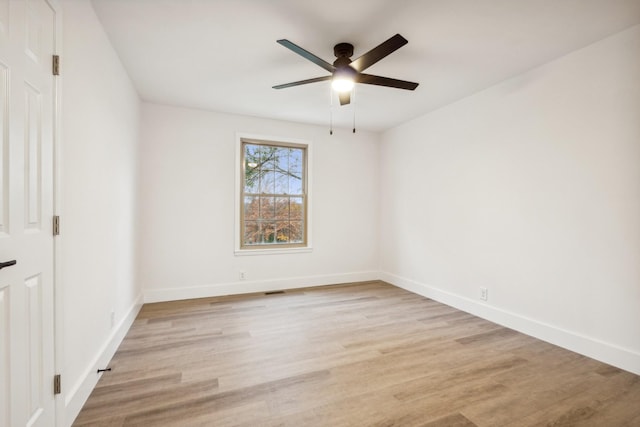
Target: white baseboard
[[78, 393], [596, 349], [247, 286]]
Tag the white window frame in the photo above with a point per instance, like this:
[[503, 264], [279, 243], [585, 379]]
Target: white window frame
[[270, 250]]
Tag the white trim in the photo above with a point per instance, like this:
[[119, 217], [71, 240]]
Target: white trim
[[245, 287], [309, 199], [612, 354], [273, 251], [78, 393], [58, 289]]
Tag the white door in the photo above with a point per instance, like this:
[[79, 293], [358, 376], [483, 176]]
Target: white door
[[26, 210]]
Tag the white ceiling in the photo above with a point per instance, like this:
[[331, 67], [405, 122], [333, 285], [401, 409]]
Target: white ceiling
[[222, 55]]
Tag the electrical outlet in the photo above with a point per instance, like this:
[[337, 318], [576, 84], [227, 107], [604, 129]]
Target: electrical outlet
[[113, 319], [242, 275], [484, 294]]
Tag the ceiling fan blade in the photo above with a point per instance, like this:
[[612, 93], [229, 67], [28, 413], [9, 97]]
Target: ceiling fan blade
[[378, 52], [308, 55], [386, 81], [302, 82], [345, 97]]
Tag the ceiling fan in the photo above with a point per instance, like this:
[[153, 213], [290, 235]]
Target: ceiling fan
[[345, 72]]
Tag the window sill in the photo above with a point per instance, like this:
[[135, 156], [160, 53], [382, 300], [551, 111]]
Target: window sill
[[272, 251]]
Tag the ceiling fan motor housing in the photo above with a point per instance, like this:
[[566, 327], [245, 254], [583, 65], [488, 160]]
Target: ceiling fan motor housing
[[343, 50]]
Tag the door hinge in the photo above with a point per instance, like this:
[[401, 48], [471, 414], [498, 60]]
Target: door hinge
[[56, 225], [57, 384], [56, 65]]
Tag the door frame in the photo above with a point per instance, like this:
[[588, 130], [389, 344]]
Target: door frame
[[58, 318]]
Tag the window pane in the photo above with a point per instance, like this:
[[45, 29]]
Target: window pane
[[282, 160], [269, 157], [282, 232], [251, 208], [295, 160], [251, 168], [282, 208], [269, 232], [295, 184], [252, 154], [251, 233], [251, 181], [267, 182], [296, 232], [296, 207], [267, 207], [281, 183]]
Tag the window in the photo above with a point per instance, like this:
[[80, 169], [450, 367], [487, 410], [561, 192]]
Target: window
[[273, 195]]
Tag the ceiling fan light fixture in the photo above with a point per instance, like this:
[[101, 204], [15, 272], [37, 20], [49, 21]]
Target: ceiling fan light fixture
[[343, 78], [342, 84]]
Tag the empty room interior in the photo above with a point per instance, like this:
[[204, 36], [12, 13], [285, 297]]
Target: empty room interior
[[337, 213]]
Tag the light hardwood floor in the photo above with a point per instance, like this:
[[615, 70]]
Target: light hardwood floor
[[366, 354]]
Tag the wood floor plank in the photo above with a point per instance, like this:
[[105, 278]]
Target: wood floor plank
[[455, 420], [366, 354]]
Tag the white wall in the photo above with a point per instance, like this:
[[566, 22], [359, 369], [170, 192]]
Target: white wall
[[187, 206], [98, 181], [531, 189]]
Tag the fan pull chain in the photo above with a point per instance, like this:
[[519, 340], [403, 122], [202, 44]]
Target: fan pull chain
[[330, 110], [353, 103]]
